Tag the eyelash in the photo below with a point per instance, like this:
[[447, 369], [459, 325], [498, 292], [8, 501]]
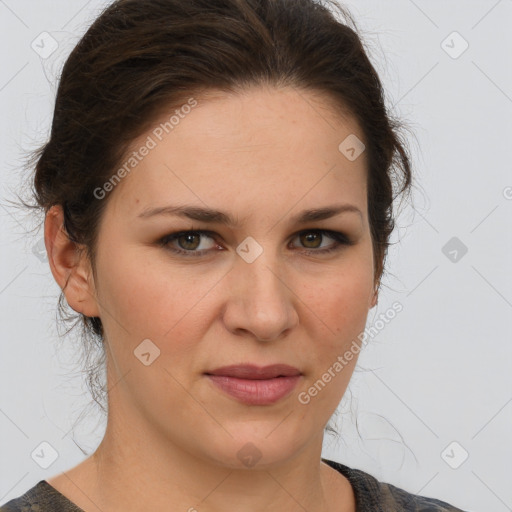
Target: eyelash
[[340, 239]]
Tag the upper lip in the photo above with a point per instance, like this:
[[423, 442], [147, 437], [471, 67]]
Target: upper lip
[[250, 371]]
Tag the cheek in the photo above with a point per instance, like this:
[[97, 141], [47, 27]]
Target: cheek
[[154, 300], [158, 302], [340, 298], [338, 311], [341, 320]]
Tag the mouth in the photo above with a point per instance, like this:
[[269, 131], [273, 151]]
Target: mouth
[[255, 385]]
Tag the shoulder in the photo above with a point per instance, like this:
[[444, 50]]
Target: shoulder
[[40, 498], [380, 496], [27, 502]]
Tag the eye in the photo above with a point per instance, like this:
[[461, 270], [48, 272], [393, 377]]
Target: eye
[[312, 239], [189, 243]]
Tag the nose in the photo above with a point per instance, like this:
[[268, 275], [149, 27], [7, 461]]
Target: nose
[[260, 302]]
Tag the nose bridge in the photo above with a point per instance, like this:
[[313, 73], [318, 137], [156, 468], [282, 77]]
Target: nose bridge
[[262, 302], [262, 276]]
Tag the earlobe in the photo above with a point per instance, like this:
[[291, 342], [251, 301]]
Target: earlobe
[[70, 266]]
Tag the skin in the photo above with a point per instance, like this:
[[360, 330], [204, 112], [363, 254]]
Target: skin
[[262, 156]]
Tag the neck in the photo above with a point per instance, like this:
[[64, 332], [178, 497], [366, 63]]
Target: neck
[[130, 471]]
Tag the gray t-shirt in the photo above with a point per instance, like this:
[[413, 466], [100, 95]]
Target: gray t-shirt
[[371, 496]]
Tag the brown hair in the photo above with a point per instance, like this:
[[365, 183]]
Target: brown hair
[[140, 57]]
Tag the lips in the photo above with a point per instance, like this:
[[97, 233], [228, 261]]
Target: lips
[[253, 372], [255, 385]]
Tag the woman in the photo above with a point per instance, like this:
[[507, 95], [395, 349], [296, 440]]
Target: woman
[[218, 191]]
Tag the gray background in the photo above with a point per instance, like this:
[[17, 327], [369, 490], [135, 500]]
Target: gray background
[[434, 386]]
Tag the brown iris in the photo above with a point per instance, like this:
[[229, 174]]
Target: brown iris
[[310, 237]]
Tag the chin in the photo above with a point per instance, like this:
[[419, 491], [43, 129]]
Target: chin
[[247, 450]]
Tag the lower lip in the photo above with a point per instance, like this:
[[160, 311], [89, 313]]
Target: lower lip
[[256, 392]]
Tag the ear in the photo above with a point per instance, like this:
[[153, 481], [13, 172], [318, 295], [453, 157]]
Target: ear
[[70, 267], [374, 297]]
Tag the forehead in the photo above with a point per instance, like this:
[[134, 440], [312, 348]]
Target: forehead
[[277, 144]]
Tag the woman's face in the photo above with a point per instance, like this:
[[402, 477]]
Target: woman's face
[[260, 291]]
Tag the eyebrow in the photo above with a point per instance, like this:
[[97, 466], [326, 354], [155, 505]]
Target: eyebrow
[[212, 216]]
